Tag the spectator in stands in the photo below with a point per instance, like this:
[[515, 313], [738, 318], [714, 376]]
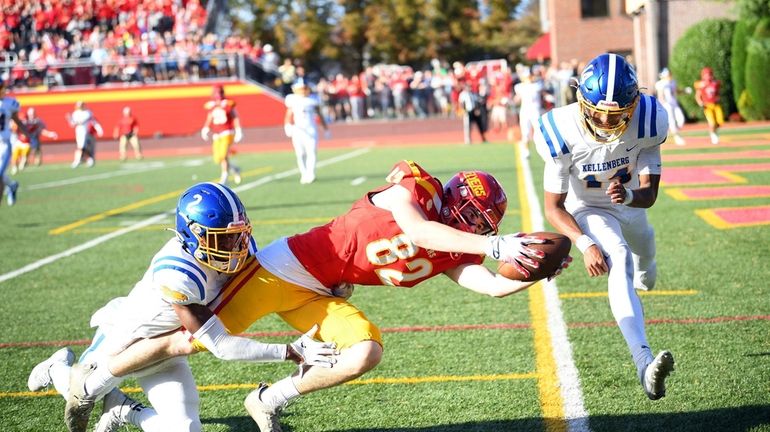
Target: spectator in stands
[[127, 131], [86, 129]]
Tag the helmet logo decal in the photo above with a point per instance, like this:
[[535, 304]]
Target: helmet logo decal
[[475, 184], [191, 206], [588, 72]]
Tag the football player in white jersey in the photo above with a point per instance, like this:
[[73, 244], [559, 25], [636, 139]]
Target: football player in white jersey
[[9, 110], [666, 90], [602, 171], [300, 125], [212, 244]]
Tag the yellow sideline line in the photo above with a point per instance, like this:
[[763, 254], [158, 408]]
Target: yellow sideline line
[[551, 403], [641, 293], [134, 206], [370, 381], [134, 95]]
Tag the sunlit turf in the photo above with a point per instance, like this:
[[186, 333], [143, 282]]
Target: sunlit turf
[[722, 380]]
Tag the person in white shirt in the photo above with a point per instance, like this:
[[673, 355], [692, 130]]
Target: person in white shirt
[[666, 90], [86, 129], [602, 171], [9, 111], [528, 94], [213, 244], [302, 112]]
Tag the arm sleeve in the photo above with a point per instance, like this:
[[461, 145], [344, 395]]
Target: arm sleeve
[[224, 346]]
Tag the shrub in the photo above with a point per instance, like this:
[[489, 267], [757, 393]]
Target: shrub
[[743, 31], [707, 43], [758, 69]]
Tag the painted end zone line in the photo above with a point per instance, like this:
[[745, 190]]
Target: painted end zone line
[[157, 218], [554, 354]]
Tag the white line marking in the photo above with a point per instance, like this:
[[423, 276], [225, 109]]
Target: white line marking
[[157, 218], [357, 181], [569, 380]]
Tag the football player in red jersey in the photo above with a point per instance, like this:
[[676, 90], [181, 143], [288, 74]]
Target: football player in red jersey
[[223, 123], [127, 132], [707, 96], [400, 234]]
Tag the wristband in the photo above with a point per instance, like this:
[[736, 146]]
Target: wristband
[[584, 242], [629, 196]]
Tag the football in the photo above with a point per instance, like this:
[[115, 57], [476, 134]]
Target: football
[[556, 248]]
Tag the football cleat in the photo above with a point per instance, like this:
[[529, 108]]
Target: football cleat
[[265, 417], [655, 374], [79, 405], [39, 378], [115, 411], [237, 176], [11, 190]]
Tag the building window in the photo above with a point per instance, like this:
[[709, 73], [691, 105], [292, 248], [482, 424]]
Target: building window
[[594, 8]]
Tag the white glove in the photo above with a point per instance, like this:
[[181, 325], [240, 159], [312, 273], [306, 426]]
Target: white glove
[[288, 129], [313, 353], [238, 137], [205, 134], [327, 134], [512, 249]]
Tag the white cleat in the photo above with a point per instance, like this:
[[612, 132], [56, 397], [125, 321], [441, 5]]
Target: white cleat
[[39, 378], [79, 405], [115, 411], [655, 374], [11, 189], [237, 176], [265, 417]]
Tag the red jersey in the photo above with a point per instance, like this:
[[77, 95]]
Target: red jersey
[[126, 125], [222, 115], [366, 246], [709, 91]]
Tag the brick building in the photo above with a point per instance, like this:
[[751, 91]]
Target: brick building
[[644, 29]]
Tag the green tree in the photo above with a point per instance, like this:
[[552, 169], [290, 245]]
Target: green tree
[[758, 69]]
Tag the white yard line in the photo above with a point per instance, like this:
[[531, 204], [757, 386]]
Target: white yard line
[[157, 218], [575, 413]]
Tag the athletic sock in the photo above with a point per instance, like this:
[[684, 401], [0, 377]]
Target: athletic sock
[[60, 376], [101, 380], [642, 356], [280, 394]]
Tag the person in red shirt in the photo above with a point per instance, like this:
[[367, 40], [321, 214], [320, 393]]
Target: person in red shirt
[[36, 128], [400, 234], [707, 96], [225, 127], [127, 131]]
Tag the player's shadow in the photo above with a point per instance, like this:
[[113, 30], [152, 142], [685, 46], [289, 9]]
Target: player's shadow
[[736, 419]]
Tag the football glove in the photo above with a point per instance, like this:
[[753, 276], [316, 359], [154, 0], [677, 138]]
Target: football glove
[[313, 353], [288, 129], [205, 134], [564, 264], [512, 249], [238, 137]]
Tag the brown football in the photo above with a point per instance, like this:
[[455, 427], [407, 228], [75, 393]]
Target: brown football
[[556, 248]]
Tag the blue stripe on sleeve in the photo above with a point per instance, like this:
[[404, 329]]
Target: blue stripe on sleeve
[[183, 261], [192, 276], [653, 117], [642, 115], [98, 339], [547, 137], [562, 144]]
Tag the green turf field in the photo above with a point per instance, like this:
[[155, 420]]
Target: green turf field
[[445, 369]]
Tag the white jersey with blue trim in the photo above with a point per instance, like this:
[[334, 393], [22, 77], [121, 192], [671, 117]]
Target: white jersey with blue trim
[[173, 277], [8, 107], [582, 167]]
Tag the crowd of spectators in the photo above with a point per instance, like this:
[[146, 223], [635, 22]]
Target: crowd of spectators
[[66, 42]]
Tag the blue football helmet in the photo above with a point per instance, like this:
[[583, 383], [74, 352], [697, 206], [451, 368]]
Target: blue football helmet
[[608, 92], [211, 222]]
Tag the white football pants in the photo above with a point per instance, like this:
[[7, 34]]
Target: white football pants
[[305, 142], [626, 237]]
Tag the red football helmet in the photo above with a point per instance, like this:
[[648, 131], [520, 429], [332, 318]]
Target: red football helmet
[[474, 202]]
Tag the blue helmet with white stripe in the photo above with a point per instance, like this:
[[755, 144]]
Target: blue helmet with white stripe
[[211, 222], [608, 92]]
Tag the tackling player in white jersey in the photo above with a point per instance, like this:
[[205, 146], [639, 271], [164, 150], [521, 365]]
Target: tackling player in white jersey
[[212, 244], [300, 125], [602, 171], [9, 110]]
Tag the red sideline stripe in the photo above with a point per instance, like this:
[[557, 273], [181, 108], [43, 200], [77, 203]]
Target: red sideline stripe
[[458, 327]]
